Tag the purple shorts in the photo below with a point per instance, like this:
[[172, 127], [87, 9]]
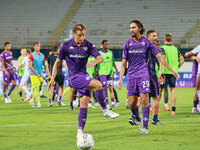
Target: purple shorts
[[136, 86], [106, 80], [80, 82], [8, 78]]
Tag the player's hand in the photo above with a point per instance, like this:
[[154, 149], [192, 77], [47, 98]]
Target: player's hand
[[119, 85], [198, 59], [38, 75], [160, 75], [7, 73], [117, 72], [176, 75], [91, 64], [50, 84]]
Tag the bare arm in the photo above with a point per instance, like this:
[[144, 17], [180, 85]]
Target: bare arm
[[114, 65], [19, 65], [181, 61], [98, 60], [65, 64], [33, 69], [164, 62], [122, 70], [54, 71], [4, 68], [187, 54], [47, 69]]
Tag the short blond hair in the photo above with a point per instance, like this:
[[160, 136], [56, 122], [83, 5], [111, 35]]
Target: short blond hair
[[168, 37], [79, 27]]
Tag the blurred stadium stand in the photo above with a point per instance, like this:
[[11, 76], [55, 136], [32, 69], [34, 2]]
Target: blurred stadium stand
[[25, 21]]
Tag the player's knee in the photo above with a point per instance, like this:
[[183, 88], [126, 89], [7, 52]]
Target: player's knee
[[5, 83], [144, 101]]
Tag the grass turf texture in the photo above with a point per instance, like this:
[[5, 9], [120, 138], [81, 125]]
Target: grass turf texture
[[55, 128]]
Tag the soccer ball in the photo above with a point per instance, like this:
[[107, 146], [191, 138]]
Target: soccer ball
[[85, 141]]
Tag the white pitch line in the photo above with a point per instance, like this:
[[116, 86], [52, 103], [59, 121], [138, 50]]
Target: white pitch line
[[89, 121]]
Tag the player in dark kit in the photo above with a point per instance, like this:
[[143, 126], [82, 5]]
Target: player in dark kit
[[59, 79], [154, 93], [76, 52], [135, 52]]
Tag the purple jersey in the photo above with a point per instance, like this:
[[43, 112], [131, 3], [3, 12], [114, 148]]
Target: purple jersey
[[77, 56], [136, 53], [7, 57]]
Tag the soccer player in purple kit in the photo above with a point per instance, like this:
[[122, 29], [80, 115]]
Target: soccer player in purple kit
[[8, 73], [135, 52], [76, 52], [195, 56]]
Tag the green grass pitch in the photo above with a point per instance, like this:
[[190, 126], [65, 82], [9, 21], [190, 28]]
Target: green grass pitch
[[55, 128]]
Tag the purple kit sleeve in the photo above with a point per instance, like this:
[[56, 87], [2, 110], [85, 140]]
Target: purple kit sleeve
[[93, 50], [62, 52], [125, 52], [2, 57]]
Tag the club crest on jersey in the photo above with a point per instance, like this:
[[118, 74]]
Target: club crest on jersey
[[85, 48], [71, 47], [143, 43], [130, 44]]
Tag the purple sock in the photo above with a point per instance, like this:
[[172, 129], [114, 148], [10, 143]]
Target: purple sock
[[100, 98], [90, 101], [57, 89], [166, 100], [11, 89], [20, 94], [112, 99], [145, 112], [105, 94], [4, 90], [135, 112], [82, 115], [149, 101], [195, 103]]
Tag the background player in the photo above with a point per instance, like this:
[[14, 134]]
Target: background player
[[105, 71], [172, 56], [36, 62], [195, 53], [59, 77], [135, 52], [26, 76], [9, 73], [154, 92], [21, 70]]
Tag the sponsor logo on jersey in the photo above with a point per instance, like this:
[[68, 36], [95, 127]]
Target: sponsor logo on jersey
[[85, 48], [71, 47], [143, 43]]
